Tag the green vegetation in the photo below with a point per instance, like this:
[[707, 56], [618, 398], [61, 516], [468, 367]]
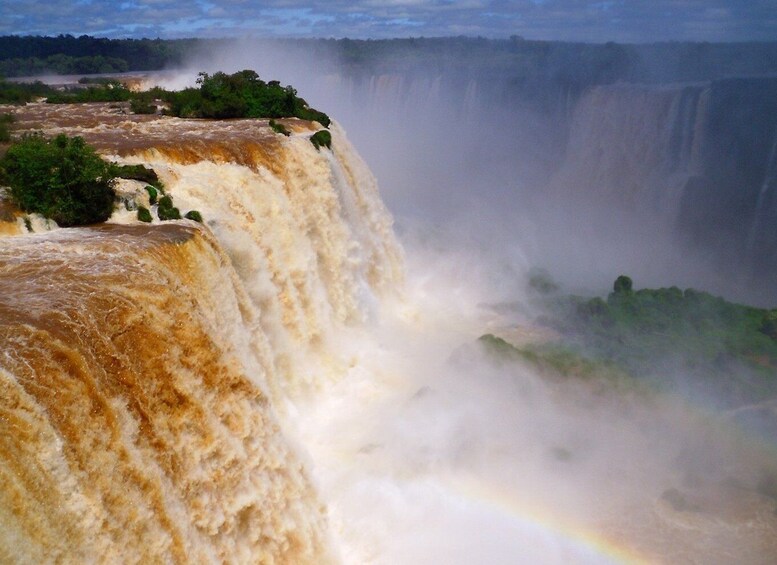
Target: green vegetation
[[701, 332], [533, 68], [279, 128], [668, 336], [136, 172], [5, 132], [622, 285], [63, 65], [144, 215], [21, 93], [527, 60], [194, 215], [152, 194], [142, 104], [65, 180], [65, 54], [218, 96], [171, 213], [143, 174], [566, 360], [111, 91], [321, 139], [62, 179], [106, 90], [240, 95], [166, 211]]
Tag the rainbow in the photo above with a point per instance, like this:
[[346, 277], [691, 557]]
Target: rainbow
[[584, 546]]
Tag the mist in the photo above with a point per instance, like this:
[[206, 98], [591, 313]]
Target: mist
[[427, 449], [494, 162]]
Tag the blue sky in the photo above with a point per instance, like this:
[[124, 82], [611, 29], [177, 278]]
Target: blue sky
[[577, 20]]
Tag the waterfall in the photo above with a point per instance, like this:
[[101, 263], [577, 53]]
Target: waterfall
[[144, 367], [136, 425], [762, 238], [632, 145], [265, 387], [305, 230], [691, 161]]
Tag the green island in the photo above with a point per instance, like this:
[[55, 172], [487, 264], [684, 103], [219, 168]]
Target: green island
[[240, 95], [685, 340]]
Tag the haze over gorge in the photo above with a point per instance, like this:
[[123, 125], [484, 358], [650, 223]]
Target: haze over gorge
[[324, 372]]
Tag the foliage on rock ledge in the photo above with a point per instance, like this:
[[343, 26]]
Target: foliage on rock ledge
[[61, 178], [240, 95]]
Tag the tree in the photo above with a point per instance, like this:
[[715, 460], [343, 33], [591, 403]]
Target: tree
[[62, 179], [622, 285]]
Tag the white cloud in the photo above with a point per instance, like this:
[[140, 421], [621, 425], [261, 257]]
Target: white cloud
[[594, 20]]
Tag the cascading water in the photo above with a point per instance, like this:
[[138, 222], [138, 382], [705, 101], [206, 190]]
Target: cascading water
[[254, 390], [144, 365], [136, 426], [696, 161], [762, 239], [634, 146]]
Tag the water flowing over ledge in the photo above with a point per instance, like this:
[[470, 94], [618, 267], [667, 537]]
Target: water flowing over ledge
[[141, 364], [248, 391]]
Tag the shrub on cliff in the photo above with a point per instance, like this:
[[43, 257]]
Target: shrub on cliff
[[136, 172], [62, 179], [21, 93], [769, 324], [111, 91], [663, 332], [152, 194], [142, 104], [194, 215], [321, 138], [166, 211], [622, 285], [144, 215]]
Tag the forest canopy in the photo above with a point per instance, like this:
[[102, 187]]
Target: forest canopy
[[66, 55]]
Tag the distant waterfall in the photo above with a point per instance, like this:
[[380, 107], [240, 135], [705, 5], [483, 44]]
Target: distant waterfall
[[697, 159]]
